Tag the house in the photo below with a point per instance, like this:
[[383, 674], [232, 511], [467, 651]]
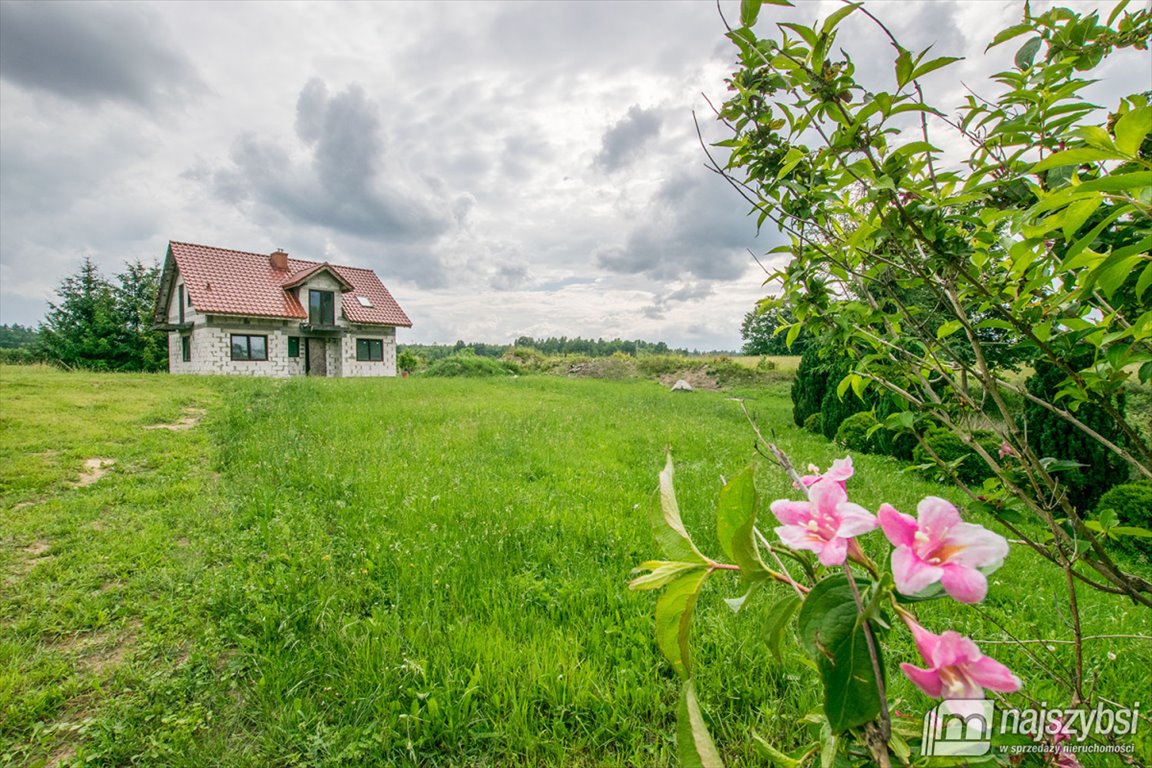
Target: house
[[259, 314]]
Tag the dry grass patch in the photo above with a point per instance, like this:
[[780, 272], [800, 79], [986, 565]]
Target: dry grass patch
[[190, 419]]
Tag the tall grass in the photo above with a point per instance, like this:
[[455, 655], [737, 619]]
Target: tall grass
[[432, 571]]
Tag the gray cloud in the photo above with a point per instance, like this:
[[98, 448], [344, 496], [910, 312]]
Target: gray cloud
[[90, 52], [509, 277], [695, 226], [623, 140], [351, 185]]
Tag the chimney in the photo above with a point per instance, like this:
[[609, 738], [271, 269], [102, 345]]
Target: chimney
[[279, 260]]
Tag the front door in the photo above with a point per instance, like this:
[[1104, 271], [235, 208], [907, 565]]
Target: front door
[[315, 357]]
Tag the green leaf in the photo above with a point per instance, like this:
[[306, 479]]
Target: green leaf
[[1144, 281], [674, 619], [778, 758], [667, 527], [1007, 34], [694, 745], [661, 573], [737, 603], [1132, 128], [831, 632], [749, 11], [903, 67], [806, 33], [1077, 213], [838, 16], [1027, 53], [1077, 156], [947, 329], [778, 617], [934, 65], [735, 523]]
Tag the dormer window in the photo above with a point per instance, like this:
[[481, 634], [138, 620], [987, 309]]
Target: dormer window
[[321, 308]]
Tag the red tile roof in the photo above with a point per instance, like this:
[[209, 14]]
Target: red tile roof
[[223, 281]]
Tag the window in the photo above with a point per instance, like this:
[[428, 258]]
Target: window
[[364, 301], [371, 350], [180, 300], [293, 346], [186, 348], [249, 347], [321, 308]]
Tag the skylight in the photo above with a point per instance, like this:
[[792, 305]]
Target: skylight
[[364, 301]]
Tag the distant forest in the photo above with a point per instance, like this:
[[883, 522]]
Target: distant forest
[[17, 336], [552, 345]]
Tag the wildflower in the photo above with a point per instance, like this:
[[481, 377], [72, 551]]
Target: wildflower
[[956, 667], [1006, 450], [941, 547], [840, 471], [825, 523]]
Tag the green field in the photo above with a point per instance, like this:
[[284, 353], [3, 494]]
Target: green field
[[420, 571]]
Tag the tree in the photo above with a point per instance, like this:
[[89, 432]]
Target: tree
[[104, 326], [764, 331], [82, 329]]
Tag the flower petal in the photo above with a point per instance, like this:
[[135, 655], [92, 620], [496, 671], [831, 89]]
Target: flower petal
[[926, 642], [898, 527], [834, 552], [791, 512], [963, 583], [854, 520], [927, 680], [954, 650], [840, 470], [937, 515], [800, 538], [912, 574], [992, 674], [976, 546], [825, 494]]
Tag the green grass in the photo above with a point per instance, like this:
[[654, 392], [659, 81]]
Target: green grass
[[421, 571]]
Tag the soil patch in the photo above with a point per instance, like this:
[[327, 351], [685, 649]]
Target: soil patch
[[190, 419], [94, 469]]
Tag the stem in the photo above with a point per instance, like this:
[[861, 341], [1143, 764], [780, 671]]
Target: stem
[[885, 725]]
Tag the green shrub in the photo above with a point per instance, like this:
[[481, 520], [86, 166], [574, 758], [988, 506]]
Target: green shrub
[[812, 423], [469, 364], [853, 433], [1051, 436], [1132, 503], [406, 360], [973, 471]]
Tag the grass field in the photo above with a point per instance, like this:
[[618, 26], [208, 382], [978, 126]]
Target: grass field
[[432, 572]]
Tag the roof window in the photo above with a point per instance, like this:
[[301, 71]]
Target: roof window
[[364, 301]]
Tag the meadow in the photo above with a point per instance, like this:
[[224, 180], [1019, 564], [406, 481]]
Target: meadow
[[413, 571]]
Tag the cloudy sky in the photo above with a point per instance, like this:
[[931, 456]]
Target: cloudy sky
[[507, 168]]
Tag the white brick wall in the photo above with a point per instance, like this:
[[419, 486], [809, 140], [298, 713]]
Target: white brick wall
[[354, 367]]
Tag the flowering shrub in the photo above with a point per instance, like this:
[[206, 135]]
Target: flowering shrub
[[839, 617]]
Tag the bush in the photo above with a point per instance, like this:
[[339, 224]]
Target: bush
[[1132, 503], [812, 423], [1050, 435], [853, 433], [973, 470], [406, 360], [469, 364]]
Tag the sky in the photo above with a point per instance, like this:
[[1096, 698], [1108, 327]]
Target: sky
[[507, 168]]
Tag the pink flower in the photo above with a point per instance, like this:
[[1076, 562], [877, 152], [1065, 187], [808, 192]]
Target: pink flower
[[1006, 450], [840, 471], [956, 667], [941, 547], [823, 524]]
